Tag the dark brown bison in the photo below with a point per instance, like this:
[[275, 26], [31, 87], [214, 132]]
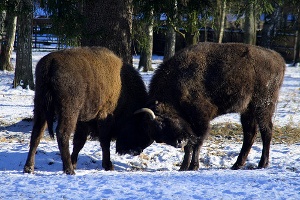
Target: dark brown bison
[[207, 80], [90, 91]]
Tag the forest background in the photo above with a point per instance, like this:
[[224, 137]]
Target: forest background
[[128, 26]]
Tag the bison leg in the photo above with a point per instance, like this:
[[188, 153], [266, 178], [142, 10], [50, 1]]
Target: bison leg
[[191, 156], [36, 135], [104, 129], [63, 131], [80, 137], [249, 125], [199, 120], [195, 158], [266, 135], [188, 150], [106, 162]]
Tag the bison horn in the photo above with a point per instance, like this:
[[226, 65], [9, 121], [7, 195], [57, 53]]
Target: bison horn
[[146, 110]]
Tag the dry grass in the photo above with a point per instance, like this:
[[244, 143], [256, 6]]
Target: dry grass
[[219, 133], [233, 132]]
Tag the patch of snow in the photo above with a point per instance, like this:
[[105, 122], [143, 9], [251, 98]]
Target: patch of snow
[[151, 175]]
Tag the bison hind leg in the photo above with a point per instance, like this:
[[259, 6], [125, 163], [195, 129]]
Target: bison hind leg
[[80, 138], [39, 127], [65, 127], [249, 125], [266, 135]]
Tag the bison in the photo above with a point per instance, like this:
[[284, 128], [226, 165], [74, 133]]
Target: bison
[[207, 80], [90, 91]]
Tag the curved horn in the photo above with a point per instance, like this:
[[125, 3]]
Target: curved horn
[[146, 110]]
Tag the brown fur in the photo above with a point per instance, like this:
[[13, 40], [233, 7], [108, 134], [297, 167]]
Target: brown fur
[[207, 80], [90, 91]]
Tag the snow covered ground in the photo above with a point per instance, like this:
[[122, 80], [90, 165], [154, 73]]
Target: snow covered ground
[[153, 174]]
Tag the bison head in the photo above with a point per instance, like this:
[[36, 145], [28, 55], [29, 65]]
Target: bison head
[[164, 125], [132, 139]]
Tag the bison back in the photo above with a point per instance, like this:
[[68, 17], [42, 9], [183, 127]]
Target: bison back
[[225, 76], [85, 81]]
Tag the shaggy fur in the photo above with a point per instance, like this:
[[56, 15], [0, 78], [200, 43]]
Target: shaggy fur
[[207, 80], [90, 91]]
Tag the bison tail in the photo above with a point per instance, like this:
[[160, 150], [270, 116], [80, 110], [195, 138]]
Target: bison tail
[[50, 114]]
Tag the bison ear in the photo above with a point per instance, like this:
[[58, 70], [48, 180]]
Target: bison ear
[[147, 111]]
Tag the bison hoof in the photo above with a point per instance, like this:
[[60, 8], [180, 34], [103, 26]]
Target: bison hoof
[[193, 167], [108, 167], [236, 167], [28, 169], [74, 166], [184, 168], [70, 172], [263, 164]]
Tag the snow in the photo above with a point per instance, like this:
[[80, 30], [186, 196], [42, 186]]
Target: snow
[[152, 175]]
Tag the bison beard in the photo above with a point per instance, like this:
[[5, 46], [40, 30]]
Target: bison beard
[[207, 80], [90, 91]]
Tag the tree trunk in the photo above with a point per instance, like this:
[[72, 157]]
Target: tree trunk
[[192, 35], [170, 45], [270, 25], [7, 44], [2, 21], [146, 52], [250, 23], [108, 23], [23, 71], [222, 21], [297, 41]]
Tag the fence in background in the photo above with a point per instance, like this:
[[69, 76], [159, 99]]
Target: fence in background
[[43, 39]]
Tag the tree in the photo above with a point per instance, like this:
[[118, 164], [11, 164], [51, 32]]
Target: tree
[[170, 45], [23, 71], [293, 6], [108, 23], [297, 42], [220, 16], [146, 48], [250, 22], [2, 22], [271, 24], [195, 14], [143, 26], [8, 40], [66, 17]]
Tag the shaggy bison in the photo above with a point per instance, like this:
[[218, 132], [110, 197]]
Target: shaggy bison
[[90, 91], [207, 80]]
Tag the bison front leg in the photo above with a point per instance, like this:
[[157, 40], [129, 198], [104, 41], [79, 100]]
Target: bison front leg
[[188, 151], [199, 120], [195, 158], [191, 156], [105, 145], [104, 131]]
